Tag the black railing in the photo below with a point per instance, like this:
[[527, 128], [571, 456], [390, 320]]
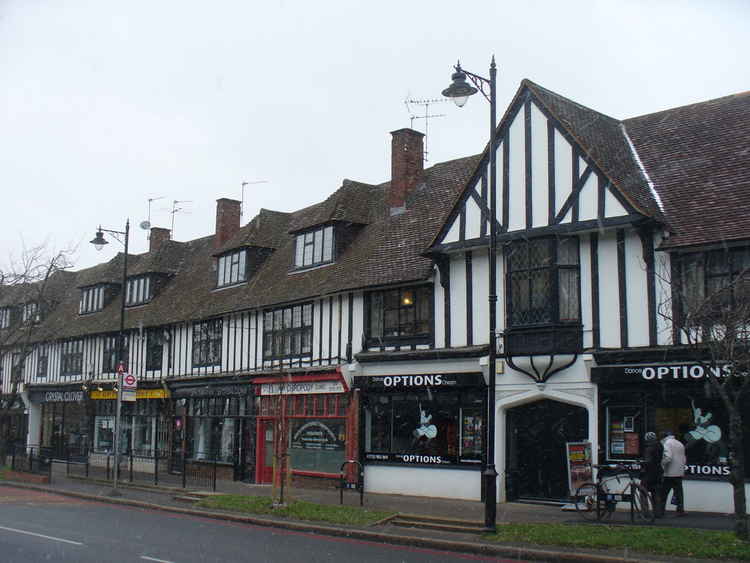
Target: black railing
[[200, 470]]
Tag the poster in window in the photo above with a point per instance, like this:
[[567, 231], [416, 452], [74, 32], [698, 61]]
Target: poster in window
[[317, 444], [632, 444]]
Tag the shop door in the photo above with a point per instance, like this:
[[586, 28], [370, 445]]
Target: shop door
[[265, 451], [535, 448]]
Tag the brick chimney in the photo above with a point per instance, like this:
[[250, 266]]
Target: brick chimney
[[227, 220], [407, 158], [158, 236]]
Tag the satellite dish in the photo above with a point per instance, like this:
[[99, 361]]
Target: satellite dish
[[145, 225]]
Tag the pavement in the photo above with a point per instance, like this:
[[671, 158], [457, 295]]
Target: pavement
[[163, 498]]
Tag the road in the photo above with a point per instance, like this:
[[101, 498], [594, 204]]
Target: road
[[37, 526]]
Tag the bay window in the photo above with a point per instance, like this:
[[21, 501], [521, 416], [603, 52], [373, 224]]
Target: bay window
[[402, 315]]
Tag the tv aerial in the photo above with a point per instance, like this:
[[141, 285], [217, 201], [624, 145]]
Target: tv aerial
[[242, 200], [409, 102], [176, 209], [146, 225]]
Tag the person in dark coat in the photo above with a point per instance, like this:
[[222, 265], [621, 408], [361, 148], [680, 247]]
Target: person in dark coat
[[652, 472]]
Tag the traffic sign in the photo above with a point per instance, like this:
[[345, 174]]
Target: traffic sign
[[129, 387]]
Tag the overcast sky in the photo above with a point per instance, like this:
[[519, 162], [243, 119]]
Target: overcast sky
[[106, 103]]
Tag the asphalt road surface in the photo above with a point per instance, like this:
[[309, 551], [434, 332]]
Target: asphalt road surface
[[42, 527]]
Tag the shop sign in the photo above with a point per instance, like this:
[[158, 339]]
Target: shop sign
[[139, 394], [301, 387], [58, 396], [411, 459], [656, 373], [396, 382], [211, 391]]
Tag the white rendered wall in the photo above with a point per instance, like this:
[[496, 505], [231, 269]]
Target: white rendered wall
[[609, 293], [636, 290], [539, 168], [423, 481], [458, 300], [708, 496]]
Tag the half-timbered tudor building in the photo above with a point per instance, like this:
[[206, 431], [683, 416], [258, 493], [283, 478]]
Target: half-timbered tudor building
[[603, 225], [362, 321]]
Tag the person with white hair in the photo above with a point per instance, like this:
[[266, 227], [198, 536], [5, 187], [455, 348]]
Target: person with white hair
[[673, 462]]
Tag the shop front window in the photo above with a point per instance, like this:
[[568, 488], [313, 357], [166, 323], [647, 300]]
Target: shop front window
[[699, 422], [317, 444], [425, 427], [212, 438]]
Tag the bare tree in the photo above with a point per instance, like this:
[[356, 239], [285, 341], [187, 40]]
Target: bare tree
[[30, 287], [713, 321]]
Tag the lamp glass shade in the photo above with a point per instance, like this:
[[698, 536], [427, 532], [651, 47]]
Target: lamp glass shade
[[99, 241], [459, 90]]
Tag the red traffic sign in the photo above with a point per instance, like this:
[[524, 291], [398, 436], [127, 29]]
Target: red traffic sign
[[129, 380]]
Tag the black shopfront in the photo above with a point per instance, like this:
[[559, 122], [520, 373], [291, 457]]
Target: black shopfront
[[427, 420], [637, 398], [214, 422]]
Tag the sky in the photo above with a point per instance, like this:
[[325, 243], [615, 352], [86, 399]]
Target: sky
[[106, 104]]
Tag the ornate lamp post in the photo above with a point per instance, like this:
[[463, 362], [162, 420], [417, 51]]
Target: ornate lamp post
[[99, 241], [460, 91]]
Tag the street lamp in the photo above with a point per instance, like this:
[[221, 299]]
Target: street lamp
[[459, 91], [99, 241]]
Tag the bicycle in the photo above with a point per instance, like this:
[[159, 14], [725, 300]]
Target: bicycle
[[598, 501]]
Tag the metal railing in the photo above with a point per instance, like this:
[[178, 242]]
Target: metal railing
[[198, 470]]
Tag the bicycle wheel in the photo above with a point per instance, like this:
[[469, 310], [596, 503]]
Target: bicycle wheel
[[586, 498], [643, 504]]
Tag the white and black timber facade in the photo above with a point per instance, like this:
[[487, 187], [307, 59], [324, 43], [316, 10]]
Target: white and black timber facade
[[365, 317]]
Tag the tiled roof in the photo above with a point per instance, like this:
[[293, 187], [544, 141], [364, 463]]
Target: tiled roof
[[266, 230], [386, 250], [345, 204], [698, 157]]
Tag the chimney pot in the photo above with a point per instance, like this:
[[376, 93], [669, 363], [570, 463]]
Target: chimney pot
[[158, 236], [227, 220], [407, 164]]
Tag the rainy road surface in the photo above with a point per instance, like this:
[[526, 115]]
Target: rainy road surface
[[41, 527]]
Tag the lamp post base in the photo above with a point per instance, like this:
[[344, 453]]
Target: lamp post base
[[114, 493], [490, 498]]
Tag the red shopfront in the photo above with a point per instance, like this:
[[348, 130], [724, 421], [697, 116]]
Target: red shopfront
[[306, 421]]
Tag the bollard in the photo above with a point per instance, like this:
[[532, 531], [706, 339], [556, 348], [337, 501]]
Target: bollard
[[156, 467], [184, 472], [108, 467], [131, 466], [213, 485]]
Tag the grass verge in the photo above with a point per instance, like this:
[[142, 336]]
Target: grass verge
[[298, 510], [681, 542]]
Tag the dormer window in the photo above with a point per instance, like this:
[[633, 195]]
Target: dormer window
[[232, 268], [314, 247], [139, 291], [5, 317], [30, 312], [92, 299]]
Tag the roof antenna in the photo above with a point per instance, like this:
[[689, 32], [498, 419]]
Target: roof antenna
[[242, 201], [146, 225], [408, 102], [176, 210]]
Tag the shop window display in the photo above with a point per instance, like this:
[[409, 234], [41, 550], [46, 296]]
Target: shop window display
[[424, 426], [699, 422]]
